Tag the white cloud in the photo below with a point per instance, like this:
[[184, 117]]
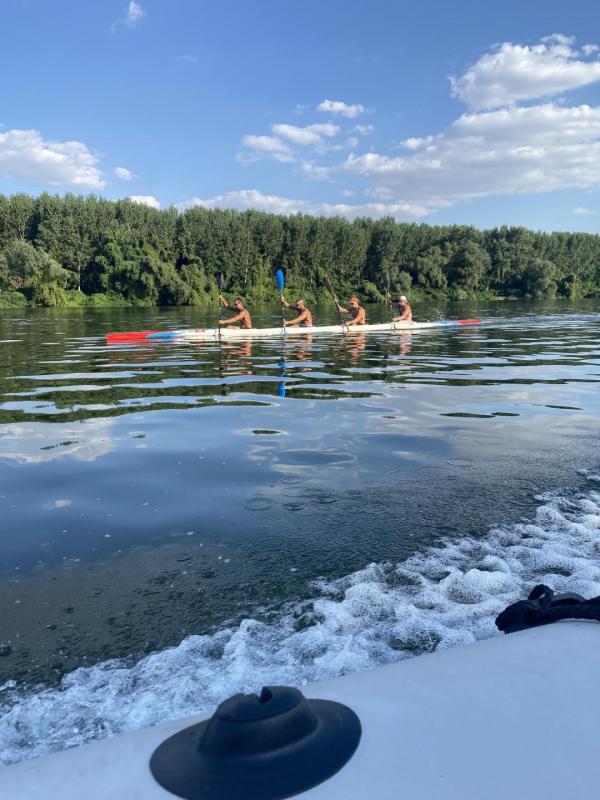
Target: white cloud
[[515, 72], [123, 174], [536, 149], [134, 14], [265, 147], [251, 198], [338, 107], [314, 172], [583, 212], [414, 142], [363, 130], [24, 155], [145, 200], [500, 148], [300, 109], [279, 146], [310, 135]]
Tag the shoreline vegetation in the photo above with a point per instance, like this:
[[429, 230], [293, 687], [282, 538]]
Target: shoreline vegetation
[[75, 251]]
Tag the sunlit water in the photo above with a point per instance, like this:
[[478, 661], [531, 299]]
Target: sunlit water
[[217, 518]]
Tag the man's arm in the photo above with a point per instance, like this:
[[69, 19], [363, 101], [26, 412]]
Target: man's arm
[[300, 318], [230, 321], [223, 301], [284, 302], [340, 308]]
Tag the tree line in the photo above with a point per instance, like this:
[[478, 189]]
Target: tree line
[[76, 250]]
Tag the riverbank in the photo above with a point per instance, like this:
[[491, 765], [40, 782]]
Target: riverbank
[[75, 299]]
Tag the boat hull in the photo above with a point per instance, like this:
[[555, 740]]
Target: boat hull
[[225, 334]]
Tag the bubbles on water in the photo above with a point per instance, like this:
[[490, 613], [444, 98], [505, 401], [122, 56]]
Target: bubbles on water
[[589, 475], [57, 504], [258, 503]]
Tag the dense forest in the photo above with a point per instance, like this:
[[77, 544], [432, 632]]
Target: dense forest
[[74, 250]]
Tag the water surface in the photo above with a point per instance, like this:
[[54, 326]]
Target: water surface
[[227, 502]]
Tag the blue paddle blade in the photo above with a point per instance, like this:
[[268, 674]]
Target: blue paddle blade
[[280, 280]]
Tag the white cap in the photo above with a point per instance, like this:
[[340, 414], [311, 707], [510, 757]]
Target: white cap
[[402, 297]]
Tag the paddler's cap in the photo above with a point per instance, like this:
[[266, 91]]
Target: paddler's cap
[[402, 297]]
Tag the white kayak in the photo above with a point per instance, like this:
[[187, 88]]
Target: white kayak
[[509, 717], [225, 333]]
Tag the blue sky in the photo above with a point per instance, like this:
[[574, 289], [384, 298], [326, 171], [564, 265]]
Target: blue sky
[[464, 112]]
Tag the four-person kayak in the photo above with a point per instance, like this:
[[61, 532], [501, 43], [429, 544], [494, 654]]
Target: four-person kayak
[[216, 334]]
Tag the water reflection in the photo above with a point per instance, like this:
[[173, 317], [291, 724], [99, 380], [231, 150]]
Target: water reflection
[[80, 378], [34, 443]]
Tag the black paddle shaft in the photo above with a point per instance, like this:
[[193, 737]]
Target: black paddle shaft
[[219, 281], [329, 288]]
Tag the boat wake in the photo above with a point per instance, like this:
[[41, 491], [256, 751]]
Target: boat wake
[[443, 596]]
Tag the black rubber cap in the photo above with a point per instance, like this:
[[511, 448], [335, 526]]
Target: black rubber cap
[[258, 748]]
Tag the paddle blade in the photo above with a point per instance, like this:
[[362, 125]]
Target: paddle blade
[[386, 280], [279, 277], [329, 287], [219, 280]]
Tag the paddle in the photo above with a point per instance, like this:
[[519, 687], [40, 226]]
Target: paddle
[[386, 282], [329, 287], [388, 294], [280, 278], [219, 280], [281, 384]]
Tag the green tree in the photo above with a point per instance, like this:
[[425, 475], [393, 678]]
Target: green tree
[[538, 278], [430, 269], [469, 264]]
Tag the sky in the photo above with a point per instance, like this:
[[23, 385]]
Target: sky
[[479, 113]]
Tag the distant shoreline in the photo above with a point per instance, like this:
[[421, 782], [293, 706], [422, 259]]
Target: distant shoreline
[[76, 251]]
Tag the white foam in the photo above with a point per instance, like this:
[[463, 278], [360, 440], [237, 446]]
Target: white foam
[[444, 596]]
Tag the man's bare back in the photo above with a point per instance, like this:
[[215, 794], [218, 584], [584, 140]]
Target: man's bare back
[[405, 310]]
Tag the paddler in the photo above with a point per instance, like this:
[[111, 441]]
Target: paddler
[[304, 318], [405, 314], [242, 316], [356, 311]]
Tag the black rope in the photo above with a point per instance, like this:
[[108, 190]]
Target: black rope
[[543, 607]]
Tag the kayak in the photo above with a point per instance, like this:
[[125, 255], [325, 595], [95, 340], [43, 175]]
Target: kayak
[[217, 334], [507, 717]]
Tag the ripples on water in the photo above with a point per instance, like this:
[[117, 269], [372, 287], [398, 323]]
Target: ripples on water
[[226, 501]]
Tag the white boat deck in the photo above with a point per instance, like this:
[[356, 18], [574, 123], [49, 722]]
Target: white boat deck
[[511, 717]]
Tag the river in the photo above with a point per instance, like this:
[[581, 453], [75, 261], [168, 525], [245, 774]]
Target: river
[[181, 521]]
